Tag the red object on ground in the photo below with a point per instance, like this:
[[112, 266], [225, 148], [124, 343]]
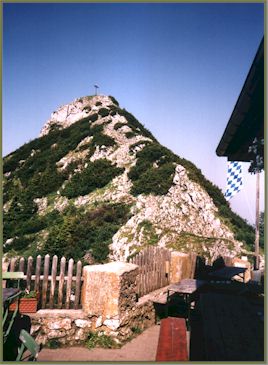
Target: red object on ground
[[172, 343], [26, 305]]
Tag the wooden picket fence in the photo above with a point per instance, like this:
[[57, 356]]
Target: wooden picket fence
[[154, 264], [59, 286]]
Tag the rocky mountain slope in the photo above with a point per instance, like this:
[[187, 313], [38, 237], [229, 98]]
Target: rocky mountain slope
[[96, 184]]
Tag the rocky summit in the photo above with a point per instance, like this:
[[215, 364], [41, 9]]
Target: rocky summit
[[96, 185]]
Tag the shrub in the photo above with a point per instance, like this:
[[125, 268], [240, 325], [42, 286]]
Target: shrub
[[20, 243], [139, 143], [99, 339], [114, 100], [135, 124], [130, 134], [87, 108], [80, 232], [98, 174], [53, 344], [94, 117], [98, 103], [113, 112], [146, 178], [118, 125], [104, 112], [155, 181], [103, 140]]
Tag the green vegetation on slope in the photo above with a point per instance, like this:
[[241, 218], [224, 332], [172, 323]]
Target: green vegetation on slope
[[153, 172], [96, 175], [81, 232], [132, 122], [74, 233], [33, 173]]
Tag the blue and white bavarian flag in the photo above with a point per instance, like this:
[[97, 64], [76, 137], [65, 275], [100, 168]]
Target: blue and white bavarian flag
[[234, 179]]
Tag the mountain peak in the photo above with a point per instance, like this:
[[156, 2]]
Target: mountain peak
[[80, 108], [96, 182]]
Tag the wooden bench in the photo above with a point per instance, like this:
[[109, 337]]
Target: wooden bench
[[172, 343]]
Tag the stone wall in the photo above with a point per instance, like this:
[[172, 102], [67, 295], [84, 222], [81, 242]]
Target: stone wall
[[63, 325], [108, 306]]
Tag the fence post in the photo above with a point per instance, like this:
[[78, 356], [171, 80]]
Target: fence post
[[69, 283], [61, 281], [37, 273], [53, 280], [45, 281], [77, 284], [21, 265], [13, 264], [29, 272]]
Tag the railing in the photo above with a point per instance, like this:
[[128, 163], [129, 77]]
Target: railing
[[153, 265], [57, 290]]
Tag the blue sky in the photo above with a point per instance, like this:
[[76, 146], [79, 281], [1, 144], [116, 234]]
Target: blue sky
[[177, 67]]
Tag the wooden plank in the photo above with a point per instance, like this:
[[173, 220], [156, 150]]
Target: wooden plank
[[12, 264], [137, 262], [145, 270], [69, 283], [140, 263], [160, 268], [45, 281], [21, 265], [152, 268], [37, 273], [61, 281], [155, 268], [142, 273], [53, 280], [149, 273], [172, 343], [29, 272], [78, 284]]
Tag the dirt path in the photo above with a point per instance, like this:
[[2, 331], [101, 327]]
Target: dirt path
[[141, 348]]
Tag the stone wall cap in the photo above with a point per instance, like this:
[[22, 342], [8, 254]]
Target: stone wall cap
[[116, 267], [177, 253], [59, 313]]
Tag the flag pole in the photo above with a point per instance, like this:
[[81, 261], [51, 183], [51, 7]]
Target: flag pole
[[257, 228]]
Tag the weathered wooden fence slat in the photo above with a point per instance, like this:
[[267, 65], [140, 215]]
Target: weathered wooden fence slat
[[13, 264], [61, 281], [78, 284], [45, 281], [37, 273], [53, 280], [21, 265], [29, 272], [153, 265], [69, 283]]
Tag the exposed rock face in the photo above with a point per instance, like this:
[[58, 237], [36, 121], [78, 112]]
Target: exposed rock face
[[186, 208], [161, 219], [73, 112]]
